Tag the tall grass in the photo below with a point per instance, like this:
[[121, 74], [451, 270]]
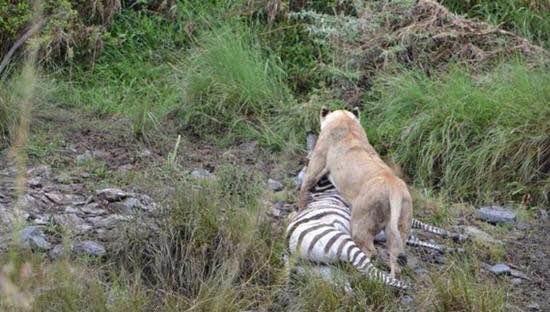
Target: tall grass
[[214, 252], [530, 18], [232, 88], [485, 138]]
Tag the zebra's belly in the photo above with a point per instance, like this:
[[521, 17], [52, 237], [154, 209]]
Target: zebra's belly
[[321, 242]]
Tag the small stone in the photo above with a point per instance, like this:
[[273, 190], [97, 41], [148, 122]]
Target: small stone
[[41, 171], [107, 221], [84, 157], [57, 251], [100, 154], [90, 248], [496, 214], [63, 178], [128, 206], [125, 168], [55, 197], [440, 259], [72, 222], [111, 194], [93, 209], [516, 281], [274, 185], [201, 173], [500, 269], [311, 140], [248, 147], [300, 177], [380, 237], [406, 300], [33, 237], [35, 182], [533, 306], [145, 153], [522, 226]]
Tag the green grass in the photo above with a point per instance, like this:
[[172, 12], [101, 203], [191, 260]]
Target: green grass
[[214, 252], [458, 289], [476, 139], [529, 18], [231, 87]]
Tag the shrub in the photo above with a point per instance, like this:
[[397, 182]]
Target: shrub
[[474, 138]]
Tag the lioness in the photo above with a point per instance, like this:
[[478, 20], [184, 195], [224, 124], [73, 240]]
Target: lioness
[[379, 199]]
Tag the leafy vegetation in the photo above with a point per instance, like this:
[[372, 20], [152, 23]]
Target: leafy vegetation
[[442, 96]]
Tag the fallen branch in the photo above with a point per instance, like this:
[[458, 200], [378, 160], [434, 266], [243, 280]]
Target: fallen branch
[[29, 33]]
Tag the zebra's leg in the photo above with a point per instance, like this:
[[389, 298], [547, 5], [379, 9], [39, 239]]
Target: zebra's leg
[[416, 242], [416, 224]]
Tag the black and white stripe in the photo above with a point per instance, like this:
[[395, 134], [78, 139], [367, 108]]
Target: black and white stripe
[[321, 233]]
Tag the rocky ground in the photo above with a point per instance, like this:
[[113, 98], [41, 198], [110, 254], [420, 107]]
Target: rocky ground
[[74, 201]]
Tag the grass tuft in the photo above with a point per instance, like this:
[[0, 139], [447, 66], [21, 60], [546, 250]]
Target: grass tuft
[[476, 139]]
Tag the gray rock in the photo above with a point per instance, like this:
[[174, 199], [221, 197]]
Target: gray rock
[[279, 209], [248, 147], [300, 177], [100, 154], [380, 237], [84, 157], [201, 174], [90, 248], [500, 269], [310, 141], [533, 306], [72, 222], [55, 197], [406, 300], [496, 214], [33, 237], [145, 153], [35, 182], [516, 281], [107, 221], [93, 209], [41, 171], [57, 251], [479, 236], [111, 194], [274, 185]]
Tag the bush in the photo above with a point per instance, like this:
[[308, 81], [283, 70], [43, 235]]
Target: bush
[[473, 138]]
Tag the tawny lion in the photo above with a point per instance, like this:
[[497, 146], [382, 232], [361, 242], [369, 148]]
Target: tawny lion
[[379, 199]]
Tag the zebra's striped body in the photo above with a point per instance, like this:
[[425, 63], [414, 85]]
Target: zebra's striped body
[[321, 233]]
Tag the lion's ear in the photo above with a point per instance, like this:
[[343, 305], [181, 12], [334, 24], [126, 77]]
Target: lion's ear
[[324, 111], [355, 111]]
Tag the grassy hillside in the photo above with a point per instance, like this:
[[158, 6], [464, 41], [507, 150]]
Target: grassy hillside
[[461, 107]]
